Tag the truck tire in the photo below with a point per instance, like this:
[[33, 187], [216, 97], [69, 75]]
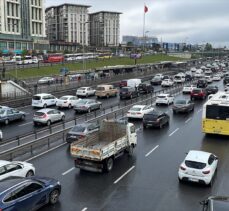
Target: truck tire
[[109, 164]]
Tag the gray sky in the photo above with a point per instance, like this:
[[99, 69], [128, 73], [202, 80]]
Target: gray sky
[[191, 21]]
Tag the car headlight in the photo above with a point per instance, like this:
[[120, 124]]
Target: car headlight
[[58, 182]]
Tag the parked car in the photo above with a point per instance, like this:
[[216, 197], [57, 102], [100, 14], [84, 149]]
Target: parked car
[[28, 193], [198, 166], [208, 79], [167, 83], [215, 203], [1, 135], [198, 93], [226, 80], [15, 168], [179, 78], [87, 105], [202, 83], [85, 91], [130, 82], [128, 92], [48, 116], [156, 80], [46, 80], [80, 131], [106, 91], [187, 89], [211, 89], [188, 77], [216, 77], [138, 111], [8, 115], [183, 105], [226, 87], [43, 100], [155, 119], [67, 101], [166, 99], [145, 88]]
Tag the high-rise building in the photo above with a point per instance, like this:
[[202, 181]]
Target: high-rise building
[[22, 25], [67, 26], [104, 28]]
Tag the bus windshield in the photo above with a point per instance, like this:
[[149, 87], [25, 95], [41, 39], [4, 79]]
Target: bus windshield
[[217, 112]]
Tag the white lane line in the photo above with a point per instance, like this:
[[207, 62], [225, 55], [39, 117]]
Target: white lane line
[[36, 156], [25, 124], [147, 154], [84, 209], [188, 120], [199, 110], [173, 132], [69, 170], [128, 171]]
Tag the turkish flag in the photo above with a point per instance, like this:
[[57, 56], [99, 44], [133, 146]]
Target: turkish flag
[[145, 9]]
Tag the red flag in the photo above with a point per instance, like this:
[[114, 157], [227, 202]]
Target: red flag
[[145, 9]]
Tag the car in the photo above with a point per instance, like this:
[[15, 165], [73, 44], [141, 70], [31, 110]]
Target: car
[[198, 93], [198, 166], [183, 105], [80, 131], [48, 116], [85, 91], [188, 77], [138, 111], [179, 78], [216, 78], [166, 99], [202, 83], [87, 105], [28, 193], [46, 80], [226, 87], [156, 80], [128, 92], [208, 79], [226, 80], [43, 100], [211, 89], [8, 115], [145, 88], [106, 90], [1, 135], [215, 203], [167, 83], [188, 88], [155, 119], [130, 82], [160, 75], [67, 101]]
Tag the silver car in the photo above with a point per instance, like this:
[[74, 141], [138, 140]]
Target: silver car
[[87, 105], [48, 116], [10, 114]]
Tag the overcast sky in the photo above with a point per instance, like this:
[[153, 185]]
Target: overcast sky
[[191, 21]]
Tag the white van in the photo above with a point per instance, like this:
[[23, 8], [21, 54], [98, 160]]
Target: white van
[[179, 78], [43, 100], [131, 82]]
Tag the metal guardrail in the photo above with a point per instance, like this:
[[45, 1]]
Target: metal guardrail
[[48, 141]]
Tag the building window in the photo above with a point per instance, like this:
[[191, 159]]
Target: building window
[[24, 46], [3, 45], [11, 45], [18, 45]]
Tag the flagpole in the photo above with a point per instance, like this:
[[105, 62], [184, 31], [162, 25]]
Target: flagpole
[[144, 28]]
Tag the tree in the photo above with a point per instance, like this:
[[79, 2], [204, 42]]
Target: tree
[[208, 47]]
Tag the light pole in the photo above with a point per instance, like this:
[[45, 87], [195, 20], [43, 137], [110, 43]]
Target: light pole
[[84, 63]]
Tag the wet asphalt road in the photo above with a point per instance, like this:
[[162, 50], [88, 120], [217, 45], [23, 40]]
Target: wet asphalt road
[[152, 181]]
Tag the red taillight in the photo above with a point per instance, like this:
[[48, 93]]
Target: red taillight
[[138, 113], [81, 136], [44, 116], [206, 172], [128, 112], [182, 168], [158, 120]]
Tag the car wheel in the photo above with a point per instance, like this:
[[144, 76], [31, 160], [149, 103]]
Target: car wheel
[[107, 96], [54, 196], [89, 110], [45, 106], [131, 96], [109, 164], [174, 112], [23, 117], [100, 106], [157, 104], [70, 106], [30, 173], [48, 122], [63, 118], [144, 126], [160, 126], [6, 122]]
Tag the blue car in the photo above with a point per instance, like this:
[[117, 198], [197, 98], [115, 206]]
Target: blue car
[[26, 194]]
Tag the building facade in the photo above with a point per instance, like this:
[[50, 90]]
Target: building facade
[[22, 25], [104, 28], [67, 26]]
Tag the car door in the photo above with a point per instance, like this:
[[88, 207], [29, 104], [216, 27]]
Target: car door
[[14, 170], [73, 100], [10, 114], [16, 114], [90, 91], [52, 100], [51, 115]]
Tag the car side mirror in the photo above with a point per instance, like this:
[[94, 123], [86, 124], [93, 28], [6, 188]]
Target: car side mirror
[[216, 158]]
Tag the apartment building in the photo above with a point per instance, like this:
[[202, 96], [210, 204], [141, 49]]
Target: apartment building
[[67, 26], [22, 25]]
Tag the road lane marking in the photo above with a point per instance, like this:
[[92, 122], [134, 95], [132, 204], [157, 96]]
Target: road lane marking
[[147, 154], [69, 170], [25, 124], [199, 110], [173, 132], [84, 209], [36, 156], [188, 120], [128, 171]]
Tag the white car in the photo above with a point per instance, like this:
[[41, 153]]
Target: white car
[[179, 78], [167, 83], [193, 69], [198, 166], [16, 168], [216, 78], [67, 101], [159, 75], [187, 89], [138, 111], [85, 91], [1, 135], [43, 100], [208, 78], [46, 80], [166, 99]]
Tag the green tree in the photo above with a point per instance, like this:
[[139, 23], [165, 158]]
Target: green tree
[[208, 47]]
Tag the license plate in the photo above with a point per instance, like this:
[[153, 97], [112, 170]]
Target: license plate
[[132, 113], [150, 124], [193, 179]]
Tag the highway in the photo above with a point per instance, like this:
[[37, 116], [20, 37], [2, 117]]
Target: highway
[[147, 181]]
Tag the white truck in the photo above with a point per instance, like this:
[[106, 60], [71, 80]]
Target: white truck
[[98, 151]]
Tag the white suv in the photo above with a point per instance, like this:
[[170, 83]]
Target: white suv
[[85, 91], [166, 99], [43, 100]]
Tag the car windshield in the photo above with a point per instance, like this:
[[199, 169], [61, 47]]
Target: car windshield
[[135, 109], [83, 102], [36, 97], [64, 98], [156, 77], [38, 113], [187, 86], [124, 89], [196, 90], [194, 164], [152, 116], [183, 102], [161, 96], [2, 111], [100, 88], [82, 89], [177, 77], [78, 128]]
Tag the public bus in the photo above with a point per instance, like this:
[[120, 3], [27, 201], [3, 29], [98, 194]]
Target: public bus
[[105, 55], [215, 116], [53, 58]]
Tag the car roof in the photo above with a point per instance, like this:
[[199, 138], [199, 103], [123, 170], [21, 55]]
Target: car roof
[[164, 94], [138, 106], [68, 96], [42, 94], [45, 110], [85, 124], [198, 156], [157, 112], [3, 162]]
